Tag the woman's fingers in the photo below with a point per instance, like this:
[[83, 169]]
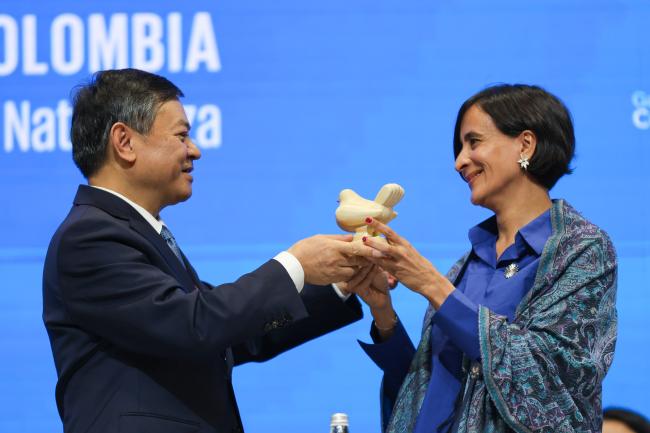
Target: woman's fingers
[[380, 281], [364, 284], [386, 263], [392, 280], [382, 228], [379, 246], [356, 249], [358, 278]]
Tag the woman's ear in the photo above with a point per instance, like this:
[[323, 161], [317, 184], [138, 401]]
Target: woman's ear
[[120, 141], [528, 141]]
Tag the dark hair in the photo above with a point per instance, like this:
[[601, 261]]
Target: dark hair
[[515, 108], [125, 95], [633, 420]]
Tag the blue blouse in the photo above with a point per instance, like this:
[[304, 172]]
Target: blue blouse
[[454, 328]]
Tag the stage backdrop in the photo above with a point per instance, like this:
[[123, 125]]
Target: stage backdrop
[[292, 101]]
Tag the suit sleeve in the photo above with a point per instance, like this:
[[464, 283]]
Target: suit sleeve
[[111, 288], [326, 312]]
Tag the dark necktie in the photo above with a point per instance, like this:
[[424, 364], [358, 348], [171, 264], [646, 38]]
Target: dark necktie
[[171, 242]]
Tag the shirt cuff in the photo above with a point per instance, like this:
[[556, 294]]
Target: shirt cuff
[[293, 267], [458, 318], [394, 355], [340, 293]]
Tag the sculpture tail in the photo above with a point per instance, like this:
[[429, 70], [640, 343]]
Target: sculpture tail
[[389, 195]]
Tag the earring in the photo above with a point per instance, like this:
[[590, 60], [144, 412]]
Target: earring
[[523, 161]]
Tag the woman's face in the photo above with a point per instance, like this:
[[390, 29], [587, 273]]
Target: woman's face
[[488, 159], [614, 426]]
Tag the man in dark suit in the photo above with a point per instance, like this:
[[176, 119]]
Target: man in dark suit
[[140, 343]]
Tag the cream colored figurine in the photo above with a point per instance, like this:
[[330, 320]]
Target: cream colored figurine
[[353, 209]]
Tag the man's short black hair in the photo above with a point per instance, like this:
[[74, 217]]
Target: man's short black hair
[[515, 108], [125, 95], [633, 420]]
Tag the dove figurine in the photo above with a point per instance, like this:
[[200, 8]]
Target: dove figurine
[[353, 209]]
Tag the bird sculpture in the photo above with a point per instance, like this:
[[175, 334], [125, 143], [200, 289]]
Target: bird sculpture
[[353, 209]]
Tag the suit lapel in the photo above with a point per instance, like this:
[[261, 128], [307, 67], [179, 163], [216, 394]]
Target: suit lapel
[[190, 270], [144, 228], [87, 195]]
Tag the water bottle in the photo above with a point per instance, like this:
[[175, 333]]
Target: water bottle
[[339, 423]]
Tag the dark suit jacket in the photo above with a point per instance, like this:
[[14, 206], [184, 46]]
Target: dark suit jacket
[[141, 344]]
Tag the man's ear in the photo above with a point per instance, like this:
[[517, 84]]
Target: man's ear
[[120, 141], [528, 141]]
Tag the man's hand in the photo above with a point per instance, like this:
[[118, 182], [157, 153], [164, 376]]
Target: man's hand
[[327, 259]]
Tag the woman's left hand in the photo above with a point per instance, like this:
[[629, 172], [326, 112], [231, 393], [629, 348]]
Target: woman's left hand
[[398, 257], [372, 285]]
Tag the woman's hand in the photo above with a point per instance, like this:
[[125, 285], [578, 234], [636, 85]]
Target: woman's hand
[[398, 257], [372, 285]]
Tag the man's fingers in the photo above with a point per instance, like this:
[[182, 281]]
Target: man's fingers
[[344, 238], [357, 261], [356, 249], [345, 273]]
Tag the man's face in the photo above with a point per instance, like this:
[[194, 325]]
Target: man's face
[[165, 157]]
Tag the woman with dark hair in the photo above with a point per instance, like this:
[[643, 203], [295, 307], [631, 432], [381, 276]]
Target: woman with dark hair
[[619, 420], [520, 333]]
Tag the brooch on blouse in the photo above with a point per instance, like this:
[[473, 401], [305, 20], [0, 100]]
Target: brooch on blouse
[[511, 270]]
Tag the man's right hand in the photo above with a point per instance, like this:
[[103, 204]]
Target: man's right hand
[[328, 259]]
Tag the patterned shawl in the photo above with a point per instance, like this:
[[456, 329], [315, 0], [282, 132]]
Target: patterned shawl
[[543, 371]]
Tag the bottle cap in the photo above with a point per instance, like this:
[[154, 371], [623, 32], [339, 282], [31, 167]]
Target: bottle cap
[[339, 419]]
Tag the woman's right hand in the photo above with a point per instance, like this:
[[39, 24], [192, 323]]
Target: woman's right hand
[[397, 256]]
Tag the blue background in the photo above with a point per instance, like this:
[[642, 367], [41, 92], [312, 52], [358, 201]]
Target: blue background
[[321, 96]]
